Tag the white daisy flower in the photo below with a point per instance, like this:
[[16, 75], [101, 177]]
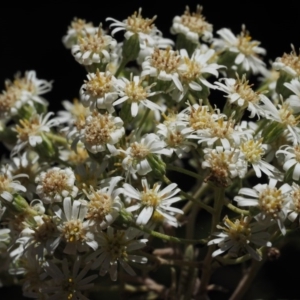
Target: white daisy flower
[[271, 201], [239, 237], [78, 28], [138, 151], [193, 71], [163, 64], [291, 159], [94, 48], [192, 25], [99, 91], [224, 131], [23, 90], [9, 186], [68, 282], [282, 114], [136, 24], [100, 130], [30, 132], [104, 203], [289, 63], [27, 163], [116, 246], [136, 94], [198, 116], [74, 231], [224, 164], [240, 92], [293, 209], [39, 236], [247, 50], [56, 184], [252, 151], [151, 200], [294, 100], [73, 114], [32, 87]]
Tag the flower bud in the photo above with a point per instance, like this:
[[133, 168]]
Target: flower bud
[[157, 165], [131, 48], [280, 88]]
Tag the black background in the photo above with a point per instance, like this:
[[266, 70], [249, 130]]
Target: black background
[[30, 36], [30, 39]]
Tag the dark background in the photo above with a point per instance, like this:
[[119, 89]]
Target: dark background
[[30, 39], [30, 36]]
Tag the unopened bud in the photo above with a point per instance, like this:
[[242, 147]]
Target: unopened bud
[[131, 48], [157, 165]]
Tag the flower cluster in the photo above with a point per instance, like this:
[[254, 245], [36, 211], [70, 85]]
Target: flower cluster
[[86, 190]]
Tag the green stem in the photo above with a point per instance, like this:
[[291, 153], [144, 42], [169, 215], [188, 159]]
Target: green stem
[[168, 238], [237, 210], [121, 67], [206, 271], [142, 122], [57, 138], [233, 261], [184, 171], [171, 262]]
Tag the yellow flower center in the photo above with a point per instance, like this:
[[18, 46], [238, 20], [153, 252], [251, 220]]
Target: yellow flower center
[[28, 128], [286, 115], [244, 89], [99, 129], [292, 60], [73, 231], [150, 197], [136, 23], [139, 151], [238, 231], [165, 60], [99, 85], [253, 150], [195, 21], [271, 201], [136, 92], [99, 205], [55, 181], [245, 45], [94, 43], [200, 118]]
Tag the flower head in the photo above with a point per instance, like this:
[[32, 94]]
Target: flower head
[[100, 130], [247, 50], [30, 132], [74, 231], [289, 63], [116, 247], [152, 199], [271, 201], [136, 94], [192, 25], [94, 48], [104, 203], [99, 91], [77, 29], [240, 236], [56, 184], [9, 186]]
